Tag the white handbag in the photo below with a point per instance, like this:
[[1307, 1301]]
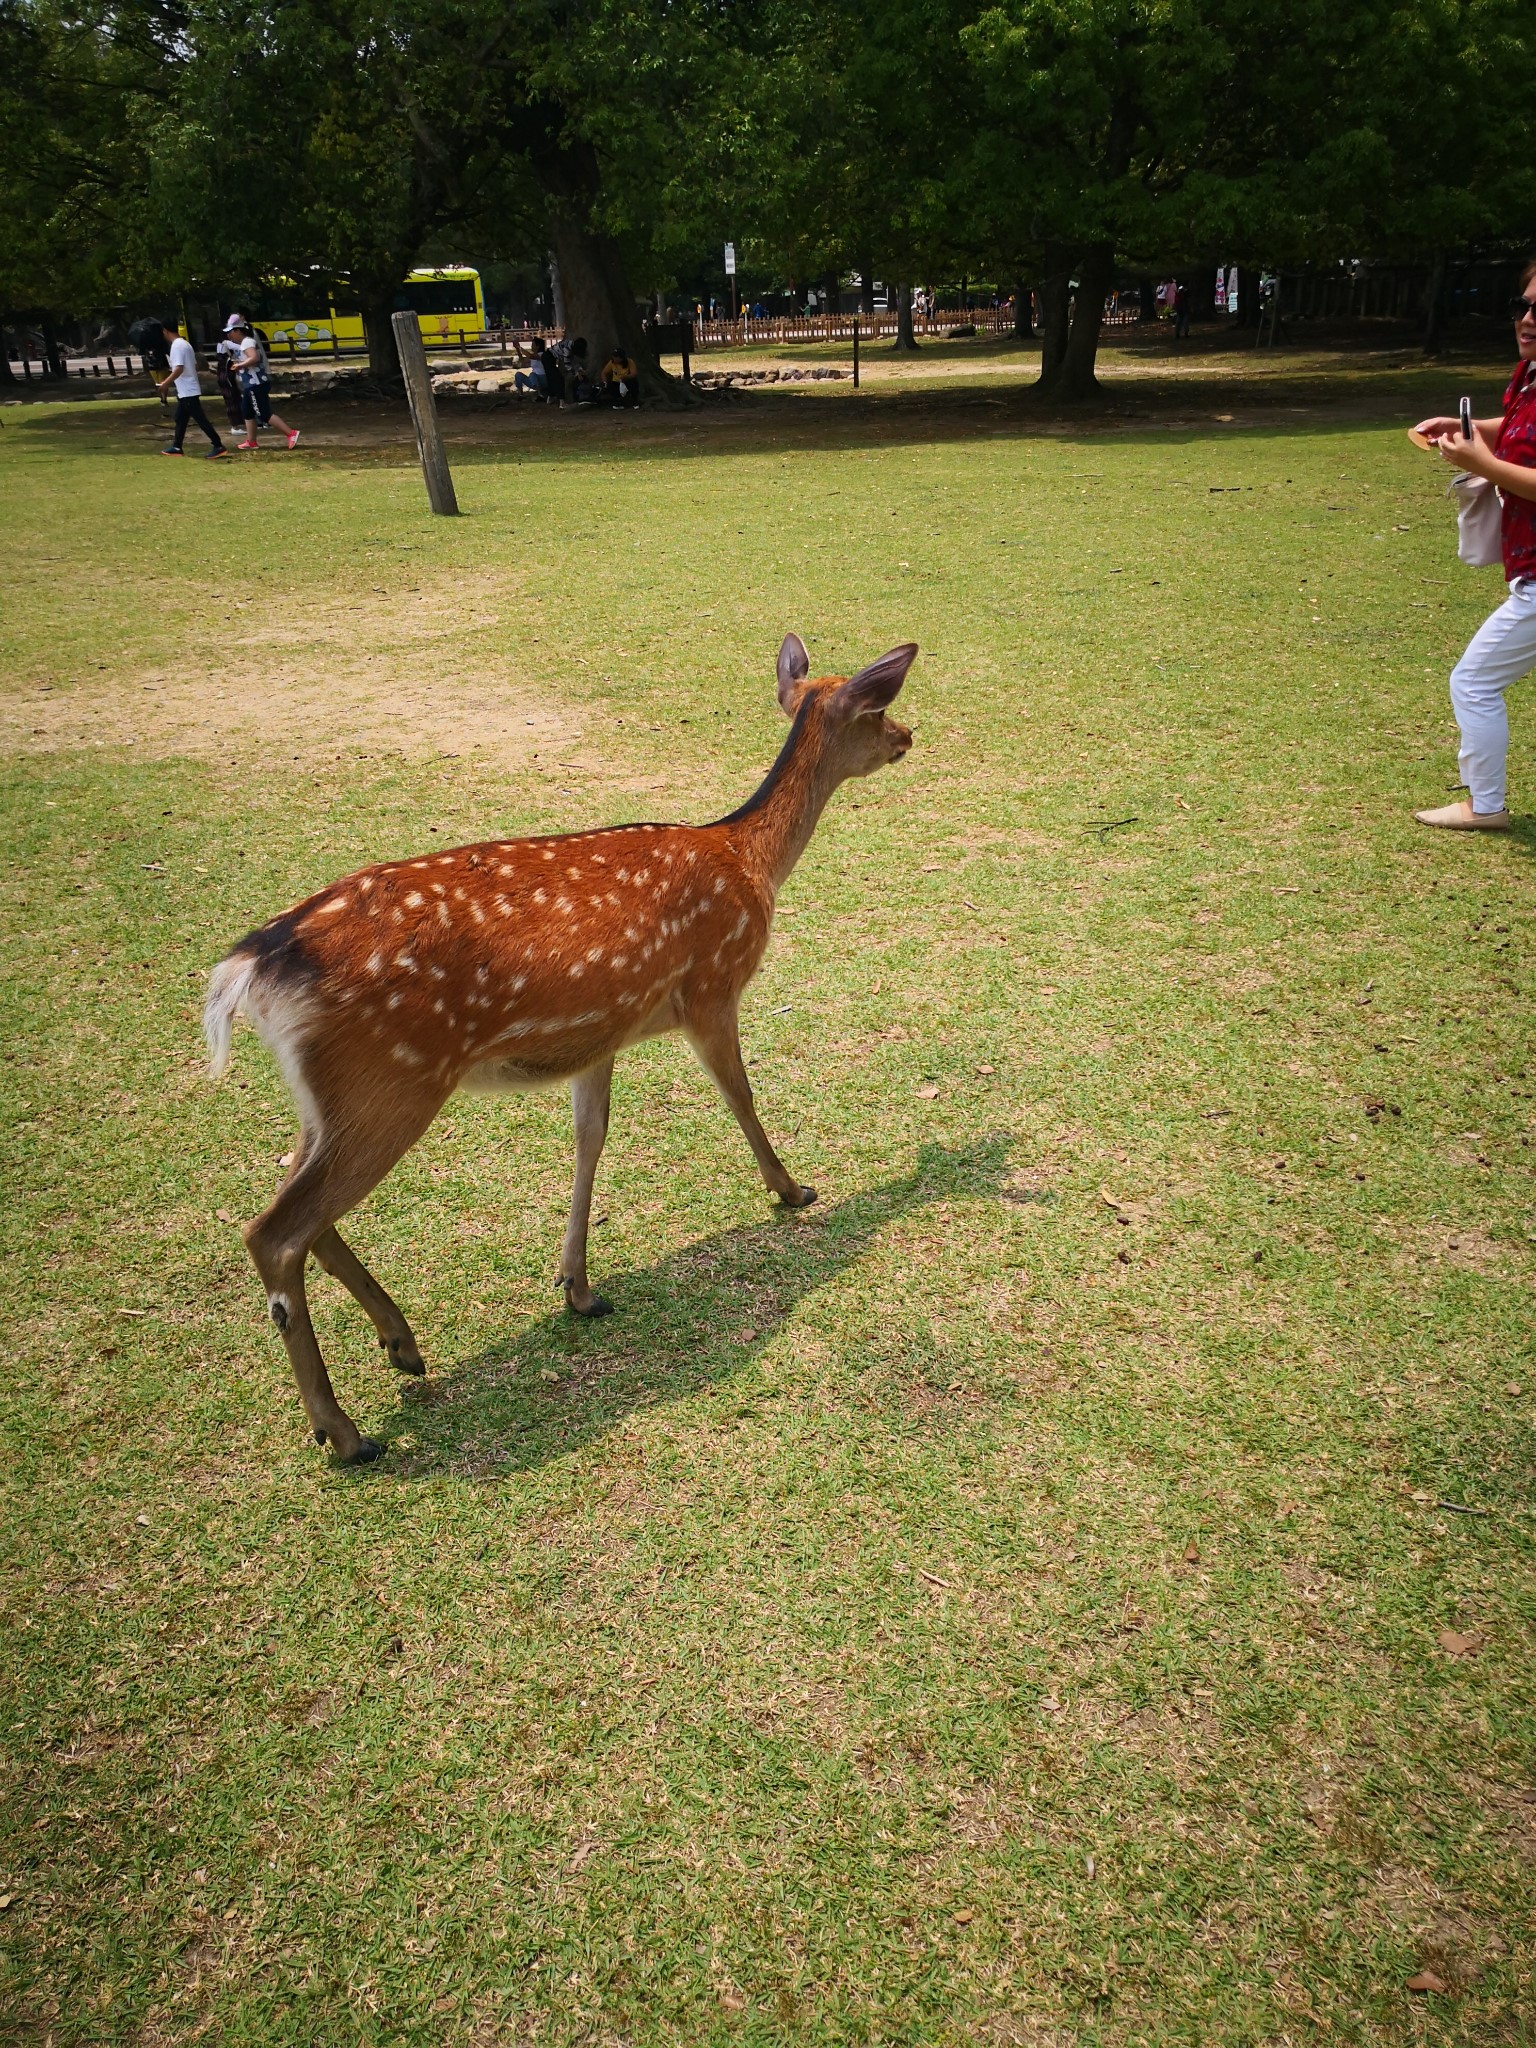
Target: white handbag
[[1479, 520]]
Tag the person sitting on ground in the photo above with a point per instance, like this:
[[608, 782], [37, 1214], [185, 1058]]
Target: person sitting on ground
[[536, 377], [621, 379], [579, 388], [189, 392], [256, 392], [1503, 649]]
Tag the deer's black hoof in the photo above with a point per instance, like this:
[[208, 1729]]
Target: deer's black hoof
[[367, 1450], [403, 1355], [801, 1200]]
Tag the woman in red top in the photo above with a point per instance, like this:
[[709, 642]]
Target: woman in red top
[[1503, 649]]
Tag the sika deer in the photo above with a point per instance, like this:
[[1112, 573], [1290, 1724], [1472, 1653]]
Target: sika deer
[[514, 965]]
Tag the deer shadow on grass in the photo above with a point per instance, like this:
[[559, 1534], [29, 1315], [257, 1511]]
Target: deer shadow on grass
[[694, 1319]]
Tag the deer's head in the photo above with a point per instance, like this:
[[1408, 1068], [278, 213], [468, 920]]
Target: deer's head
[[853, 732]]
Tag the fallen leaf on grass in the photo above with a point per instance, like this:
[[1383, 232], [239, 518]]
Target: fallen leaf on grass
[[1427, 1980], [223, 1215], [1050, 1704], [965, 1916], [1192, 1553], [1457, 1645], [7, 1900], [986, 1070], [928, 1094]]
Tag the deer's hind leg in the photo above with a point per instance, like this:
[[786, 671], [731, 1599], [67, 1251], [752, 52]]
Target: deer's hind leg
[[341, 1157], [590, 1095], [395, 1339]]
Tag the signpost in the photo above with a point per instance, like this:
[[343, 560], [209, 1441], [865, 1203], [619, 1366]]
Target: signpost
[[418, 389]]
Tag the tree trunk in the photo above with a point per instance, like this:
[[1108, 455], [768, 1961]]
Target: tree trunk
[[1054, 294], [1070, 377], [906, 340], [1434, 306], [1023, 316], [7, 374], [53, 354], [600, 306], [556, 295], [383, 356]]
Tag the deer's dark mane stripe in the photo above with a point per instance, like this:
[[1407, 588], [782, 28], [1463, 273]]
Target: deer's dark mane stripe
[[776, 773]]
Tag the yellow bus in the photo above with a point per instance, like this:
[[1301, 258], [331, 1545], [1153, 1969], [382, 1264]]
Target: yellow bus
[[447, 303]]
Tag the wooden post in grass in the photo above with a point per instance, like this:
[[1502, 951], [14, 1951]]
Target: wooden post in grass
[[855, 351], [418, 389]]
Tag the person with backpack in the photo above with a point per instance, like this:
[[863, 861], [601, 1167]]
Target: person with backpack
[[256, 392], [182, 372], [1503, 649]]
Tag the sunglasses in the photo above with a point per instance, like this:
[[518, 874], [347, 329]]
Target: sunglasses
[[1522, 309]]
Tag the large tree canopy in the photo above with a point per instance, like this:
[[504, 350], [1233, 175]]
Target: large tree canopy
[[151, 144]]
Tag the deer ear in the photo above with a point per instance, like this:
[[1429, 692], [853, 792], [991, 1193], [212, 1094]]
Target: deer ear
[[794, 667], [876, 686]]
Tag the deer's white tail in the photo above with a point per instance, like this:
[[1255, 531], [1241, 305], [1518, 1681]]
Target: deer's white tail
[[227, 988]]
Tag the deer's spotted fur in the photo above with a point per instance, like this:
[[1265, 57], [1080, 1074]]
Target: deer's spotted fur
[[518, 964]]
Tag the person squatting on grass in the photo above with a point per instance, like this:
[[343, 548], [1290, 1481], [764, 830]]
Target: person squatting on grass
[[189, 393], [256, 393], [1503, 649]]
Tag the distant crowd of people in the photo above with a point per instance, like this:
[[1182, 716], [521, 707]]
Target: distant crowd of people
[[559, 373]]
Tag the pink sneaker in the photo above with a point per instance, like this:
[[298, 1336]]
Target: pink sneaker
[[293, 438]]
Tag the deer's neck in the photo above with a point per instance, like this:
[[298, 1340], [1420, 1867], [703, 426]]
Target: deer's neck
[[773, 828]]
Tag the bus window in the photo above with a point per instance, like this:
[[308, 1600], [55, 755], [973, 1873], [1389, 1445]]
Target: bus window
[[439, 295]]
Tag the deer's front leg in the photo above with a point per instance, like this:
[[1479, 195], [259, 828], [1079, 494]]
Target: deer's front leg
[[718, 1045], [589, 1109]]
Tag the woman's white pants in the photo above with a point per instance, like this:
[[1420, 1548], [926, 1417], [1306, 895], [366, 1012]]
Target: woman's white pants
[[1501, 651]]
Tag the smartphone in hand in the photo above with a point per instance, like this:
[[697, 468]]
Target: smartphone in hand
[[1466, 419]]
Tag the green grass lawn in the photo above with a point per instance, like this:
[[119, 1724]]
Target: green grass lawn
[[1015, 1601]]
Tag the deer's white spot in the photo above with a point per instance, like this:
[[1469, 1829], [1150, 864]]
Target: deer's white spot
[[415, 900], [594, 952], [407, 961], [418, 863], [477, 913], [549, 853], [366, 884], [576, 971], [541, 896], [563, 905], [438, 888], [395, 1001], [406, 1056], [506, 868], [444, 914], [374, 962]]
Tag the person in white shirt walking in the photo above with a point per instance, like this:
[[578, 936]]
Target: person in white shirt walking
[[189, 393]]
